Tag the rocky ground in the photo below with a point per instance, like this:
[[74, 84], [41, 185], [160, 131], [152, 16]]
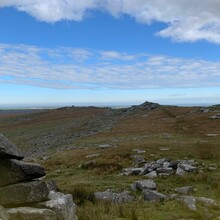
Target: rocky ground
[[143, 162]]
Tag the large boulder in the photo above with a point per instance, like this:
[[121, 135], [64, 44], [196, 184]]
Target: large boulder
[[14, 171], [8, 149], [29, 213], [22, 193], [62, 205]]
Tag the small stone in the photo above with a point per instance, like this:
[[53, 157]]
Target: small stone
[[164, 148], [161, 161], [185, 190], [92, 156], [146, 184], [139, 151], [152, 174], [180, 171], [151, 195], [131, 171], [190, 202], [188, 168]]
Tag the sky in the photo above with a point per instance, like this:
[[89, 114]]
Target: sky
[[109, 52]]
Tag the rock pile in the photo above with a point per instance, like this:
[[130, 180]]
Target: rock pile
[[161, 167], [23, 195], [215, 116]]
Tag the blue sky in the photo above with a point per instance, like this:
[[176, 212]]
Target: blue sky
[[55, 53]]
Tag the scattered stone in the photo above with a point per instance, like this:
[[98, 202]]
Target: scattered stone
[[151, 195], [28, 213], [138, 159], [168, 170], [212, 135], [117, 198], [152, 174], [164, 148], [3, 214], [215, 116], [62, 205], [185, 190], [14, 171], [8, 149], [105, 146], [187, 167], [131, 171], [145, 184], [22, 193], [92, 156], [212, 168], [146, 168], [180, 171], [161, 161], [207, 201], [139, 151], [190, 202]]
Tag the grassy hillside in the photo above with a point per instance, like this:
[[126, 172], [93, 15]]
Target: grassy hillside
[[72, 135]]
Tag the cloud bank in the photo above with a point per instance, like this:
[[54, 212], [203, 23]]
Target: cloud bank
[[74, 68], [186, 20]]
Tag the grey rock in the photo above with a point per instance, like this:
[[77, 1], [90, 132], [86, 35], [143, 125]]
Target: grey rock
[[139, 151], [161, 161], [131, 171], [62, 205], [14, 171], [207, 201], [117, 198], [180, 171], [138, 159], [152, 174], [165, 170], [105, 146], [154, 166], [145, 184], [28, 213], [8, 149], [3, 214], [215, 116], [22, 193], [185, 190], [52, 186], [187, 167], [146, 168], [92, 156], [152, 195], [190, 202], [166, 164]]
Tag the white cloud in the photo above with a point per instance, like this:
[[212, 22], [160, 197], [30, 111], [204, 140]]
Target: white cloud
[[71, 68], [187, 20]]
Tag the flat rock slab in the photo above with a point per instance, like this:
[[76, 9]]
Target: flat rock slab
[[8, 149], [62, 205], [145, 184], [152, 195], [14, 171], [22, 193], [28, 213]]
